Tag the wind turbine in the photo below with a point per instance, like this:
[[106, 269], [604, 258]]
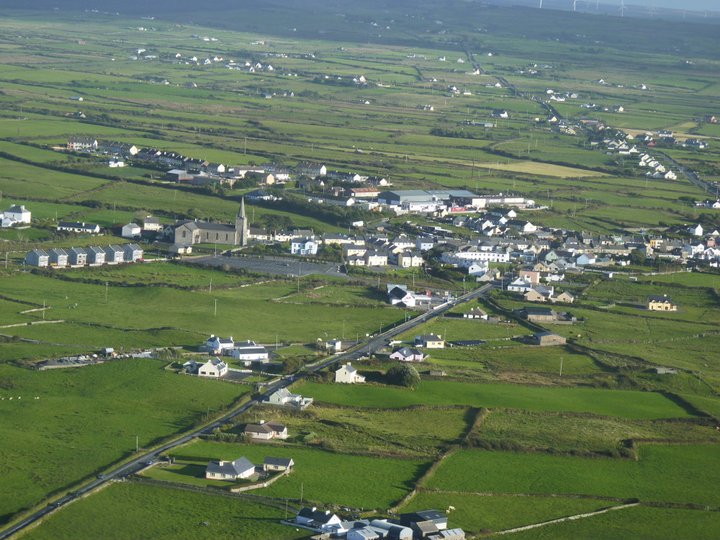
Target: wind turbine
[[622, 8], [574, 5], [541, 1]]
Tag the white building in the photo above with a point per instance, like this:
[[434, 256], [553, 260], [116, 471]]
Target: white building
[[131, 230], [348, 375], [213, 368], [248, 351], [16, 215], [304, 246]]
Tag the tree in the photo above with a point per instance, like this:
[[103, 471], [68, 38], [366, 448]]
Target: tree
[[403, 375], [638, 257]]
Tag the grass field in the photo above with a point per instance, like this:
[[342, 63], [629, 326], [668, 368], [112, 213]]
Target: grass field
[[88, 418], [378, 482], [620, 403], [143, 511], [679, 474]]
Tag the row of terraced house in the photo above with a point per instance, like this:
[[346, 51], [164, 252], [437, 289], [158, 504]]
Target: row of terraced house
[[79, 257]]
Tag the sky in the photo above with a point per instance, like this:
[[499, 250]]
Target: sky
[[697, 5]]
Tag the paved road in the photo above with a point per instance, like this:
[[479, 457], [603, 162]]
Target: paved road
[[373, 344], [690, 175]]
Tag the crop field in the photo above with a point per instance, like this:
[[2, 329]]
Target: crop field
[[621, 403], [120, 400], [378, 482], [142, 511]]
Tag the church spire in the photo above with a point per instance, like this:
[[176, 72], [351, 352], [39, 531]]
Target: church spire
[[241, 226]]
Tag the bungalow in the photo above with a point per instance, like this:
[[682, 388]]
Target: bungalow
[[430, 341], [58, 257], [408, 354], [272, 464], [131, 230], [564, 298], [229, 470], [213, 368], [78, 227], [37, 257], [318, 520], [77, 257], [114, 254], [661, 303], [265, 431], [95, 256], [348, 375], [284, 398], [248, 351]]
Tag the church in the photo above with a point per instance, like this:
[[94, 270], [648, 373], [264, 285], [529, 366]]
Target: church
[[202, 232]]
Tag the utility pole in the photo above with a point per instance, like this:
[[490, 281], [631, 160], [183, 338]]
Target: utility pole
[[137, 443], [561, 365], [302, 489], [215, 313], [106, 292], [43, 310], [211, 285]]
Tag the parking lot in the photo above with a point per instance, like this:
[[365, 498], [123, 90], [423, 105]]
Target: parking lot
[[277, 266]]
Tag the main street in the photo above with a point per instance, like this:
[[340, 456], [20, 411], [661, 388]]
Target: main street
[[142, 460]]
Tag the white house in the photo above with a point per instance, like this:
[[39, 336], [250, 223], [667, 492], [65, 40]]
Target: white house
[[58, 257], [230, 470], [430, 341], [320, 521], [348, 375], [304, 246], [218, 345], [213, 368], [18, 214], [132, 253], [407, 354], [131, 230]]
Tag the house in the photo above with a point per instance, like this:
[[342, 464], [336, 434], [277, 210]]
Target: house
[[248, 351], [538, 294], [95, 256], [131, 230], [213, 368], [304, 246], [230, 470], [564, 298], [284, 398], [546, 339], [132, 253], [37, 257], [78, 227], [317, 519], [82, 144], [661, 303], [430, 341], [77, 257], [152, 224], [273, 464], [407, 354], [409, 259], [18, 214], [313, 170], [376, 258], [348, 375], [265, 431], [114, 254], [217, 345], [58, 257]]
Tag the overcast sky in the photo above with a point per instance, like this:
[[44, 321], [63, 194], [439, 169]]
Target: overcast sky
[[698, 5]]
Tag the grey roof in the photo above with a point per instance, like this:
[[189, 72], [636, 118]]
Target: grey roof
[[278, 462], [234, 468]]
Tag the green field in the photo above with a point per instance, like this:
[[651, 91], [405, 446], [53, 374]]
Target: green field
[[621, 403], [87, 418]]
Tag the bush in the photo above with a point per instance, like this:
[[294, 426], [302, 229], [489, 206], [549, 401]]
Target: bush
[[403, 375]]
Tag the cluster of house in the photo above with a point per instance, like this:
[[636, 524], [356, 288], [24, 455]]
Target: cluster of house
[[528, 285], [247, 352], [421, 525], [15, 216], [242, 468], [90, 256]]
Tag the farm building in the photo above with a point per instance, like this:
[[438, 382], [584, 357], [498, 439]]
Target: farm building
[[247, 352], [536, 314], [546, 339]]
